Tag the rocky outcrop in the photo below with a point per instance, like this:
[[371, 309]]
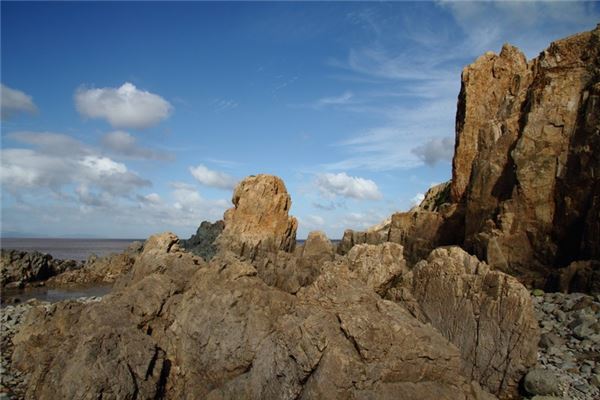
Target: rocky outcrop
[[487, 314], [526, 160], [177, 327], [202, 243], [259, 223], [19, 268], [525, 188], [99, 270], [376, 265]]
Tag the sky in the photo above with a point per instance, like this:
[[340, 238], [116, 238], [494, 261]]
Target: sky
[[120, 120]]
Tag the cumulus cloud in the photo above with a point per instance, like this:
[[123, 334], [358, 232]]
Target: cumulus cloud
[[50, 166], [213, 178], [124, 144], [13, 101], [123, 107], [435, 150], [331, 185]]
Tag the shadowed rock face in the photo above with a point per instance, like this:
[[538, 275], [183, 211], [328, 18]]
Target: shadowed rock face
[[202, 243]]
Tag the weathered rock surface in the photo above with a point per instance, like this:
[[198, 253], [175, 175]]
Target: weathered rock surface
[[175, 327], [526, 161], [202, 243], [99, 270], [487, 314], [18, 268], [377, 265], [259, 222], [525, 188]]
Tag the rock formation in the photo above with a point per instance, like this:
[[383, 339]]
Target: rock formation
[[525, 188], [202, 243], [176, 327], [244, 314], [18, 268], [259, 222], [526, 161], [487, 314], [99, 270]]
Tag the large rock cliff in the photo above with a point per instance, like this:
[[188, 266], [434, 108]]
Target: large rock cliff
[[525, 188], [526, 165]]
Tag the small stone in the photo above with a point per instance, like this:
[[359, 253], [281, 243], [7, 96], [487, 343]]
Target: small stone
[[583, 331], [560, 315], [542, 382], [549, 340], [595, 380], [586, 369], [548, 308], [537, 292]]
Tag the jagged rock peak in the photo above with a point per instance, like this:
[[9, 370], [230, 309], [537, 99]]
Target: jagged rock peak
[[259, 222]]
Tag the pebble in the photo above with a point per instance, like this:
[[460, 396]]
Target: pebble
[[569, 344]]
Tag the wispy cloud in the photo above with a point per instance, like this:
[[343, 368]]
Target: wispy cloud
[[413, 87], [221, 105]]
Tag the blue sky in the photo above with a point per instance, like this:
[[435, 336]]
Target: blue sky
[[126, 119]]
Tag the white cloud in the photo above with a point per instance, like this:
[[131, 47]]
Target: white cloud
[[435, 150], [58, 161], [123, 107], [213, 178], [124, 144], [13, 101], [341, 184]]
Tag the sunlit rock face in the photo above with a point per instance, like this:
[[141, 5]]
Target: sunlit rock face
[[259, 222], [526, 165], [525, 188]]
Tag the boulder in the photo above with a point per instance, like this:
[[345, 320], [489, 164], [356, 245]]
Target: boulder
[[580, 276], [487, 314]]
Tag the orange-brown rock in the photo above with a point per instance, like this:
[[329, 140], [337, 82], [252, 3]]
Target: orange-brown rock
[[526, 161], [259, 222]]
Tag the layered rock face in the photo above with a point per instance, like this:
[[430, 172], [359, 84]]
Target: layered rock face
[[259, 222], [526, 164]]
